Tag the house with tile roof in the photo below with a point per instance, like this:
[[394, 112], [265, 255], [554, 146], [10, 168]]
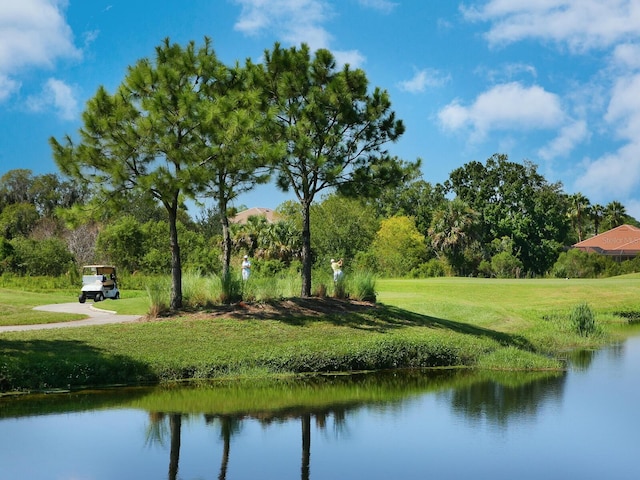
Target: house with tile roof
[[243, 216], [621, 243]]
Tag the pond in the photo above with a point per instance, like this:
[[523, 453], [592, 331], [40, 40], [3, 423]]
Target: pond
[[583, 423]]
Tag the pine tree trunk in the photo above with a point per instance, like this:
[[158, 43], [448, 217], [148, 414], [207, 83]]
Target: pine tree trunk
[[306, 251], [176, 262]]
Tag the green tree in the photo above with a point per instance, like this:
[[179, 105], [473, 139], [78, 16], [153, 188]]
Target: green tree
[[6, 255], [596, 213], [149, 136], [615, 214], [239, 148], [48, 257], [505, 265], [455, 230], [579, 207], [333, 128], [514, 200], [15, 186], [18, 219], [398, 246], [341, 227], [121, 243], [414, 197], [48, 193]]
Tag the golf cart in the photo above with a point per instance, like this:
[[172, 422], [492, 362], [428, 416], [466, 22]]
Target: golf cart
[[99, 282]]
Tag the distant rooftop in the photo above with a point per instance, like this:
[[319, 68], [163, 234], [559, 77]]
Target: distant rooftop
[[622, 241], [243, 216]]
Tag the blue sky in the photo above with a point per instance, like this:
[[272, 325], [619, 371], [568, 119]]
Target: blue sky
[[555, 82]]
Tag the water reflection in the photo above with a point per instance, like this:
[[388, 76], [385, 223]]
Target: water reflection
[[514, 395], [496, 396], [411, 424]]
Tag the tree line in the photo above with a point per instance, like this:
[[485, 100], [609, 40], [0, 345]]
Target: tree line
[[183, 125], [414, 229]]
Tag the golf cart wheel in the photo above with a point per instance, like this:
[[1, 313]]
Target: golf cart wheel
[[99, 297], [117, 297], [81, 298]]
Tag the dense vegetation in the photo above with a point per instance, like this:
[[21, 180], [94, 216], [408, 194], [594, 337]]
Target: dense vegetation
[[410, 231], [183, 125]]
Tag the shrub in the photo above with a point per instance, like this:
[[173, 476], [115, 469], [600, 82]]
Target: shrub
[[268, 267], [578, 264], [340, 288], [362, 286], [583, 320], [48, 257], [159, 294], [320, 290], [231, 289], [434, 267], [197, 290], [506, 265]]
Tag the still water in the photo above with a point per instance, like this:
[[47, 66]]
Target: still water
[[582, 424]]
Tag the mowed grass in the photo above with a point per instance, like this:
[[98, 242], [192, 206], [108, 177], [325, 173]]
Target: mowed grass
[[16, 306], [517, 324]]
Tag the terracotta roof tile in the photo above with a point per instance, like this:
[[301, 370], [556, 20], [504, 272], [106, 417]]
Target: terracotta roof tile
[[243, 216], [622, 240]]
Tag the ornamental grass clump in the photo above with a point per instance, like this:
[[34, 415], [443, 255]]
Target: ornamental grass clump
[[159, 294], [230, 289], [583, 320], [363, 287]]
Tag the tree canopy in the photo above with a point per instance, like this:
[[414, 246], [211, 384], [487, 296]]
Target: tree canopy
[[334, 129], [156, 134]]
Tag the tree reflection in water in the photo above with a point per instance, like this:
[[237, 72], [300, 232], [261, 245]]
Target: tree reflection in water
[[230, 425], [157, 431], [496, 397]]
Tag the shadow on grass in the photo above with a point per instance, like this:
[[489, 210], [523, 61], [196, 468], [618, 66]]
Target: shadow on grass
[[367, 316], [63, 364], [399, 317]]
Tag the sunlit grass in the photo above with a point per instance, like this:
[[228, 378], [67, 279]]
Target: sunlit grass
[[491, 324]]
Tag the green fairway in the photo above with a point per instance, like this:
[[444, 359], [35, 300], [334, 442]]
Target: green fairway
[[16, 306], [506, 324]]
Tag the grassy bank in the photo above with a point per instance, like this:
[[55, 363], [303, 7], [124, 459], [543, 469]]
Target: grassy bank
[[432, 322]]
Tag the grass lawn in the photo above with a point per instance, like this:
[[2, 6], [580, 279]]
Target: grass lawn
[[518, 324], [16, 306]]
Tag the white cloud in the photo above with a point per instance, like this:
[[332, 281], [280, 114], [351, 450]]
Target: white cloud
[[614, 175], [627, 55], [632, 205], [7, 87], [57, 95], [423, 79], [509, 106], [508, 72], [385, 6], [33, 33], [579, 24], [618, 173], [624, 107], [570, 135], [352, 57], [296, 21]]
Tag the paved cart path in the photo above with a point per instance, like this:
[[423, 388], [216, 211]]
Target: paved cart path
[[97, 316]]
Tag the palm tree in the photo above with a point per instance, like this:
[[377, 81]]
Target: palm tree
[[597, 215], [615, 214], [453, 229], [579, 207]]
